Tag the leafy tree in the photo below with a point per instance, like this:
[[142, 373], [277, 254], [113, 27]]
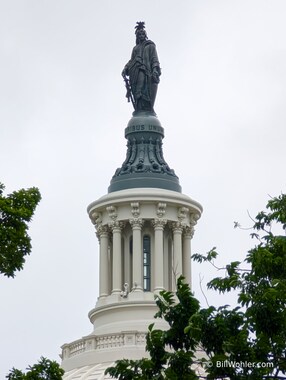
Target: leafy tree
[[16, 211], [165, 363], [246, 342], [260, 334], [45, 369]]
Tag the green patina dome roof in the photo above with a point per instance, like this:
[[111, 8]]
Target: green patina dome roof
[[144, 165]]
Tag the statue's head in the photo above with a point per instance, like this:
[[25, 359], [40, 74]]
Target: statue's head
[[140, 32]]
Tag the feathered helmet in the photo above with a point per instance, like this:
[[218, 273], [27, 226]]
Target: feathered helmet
[[140, 25]]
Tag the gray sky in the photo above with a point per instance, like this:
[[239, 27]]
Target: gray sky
[[63, 112]]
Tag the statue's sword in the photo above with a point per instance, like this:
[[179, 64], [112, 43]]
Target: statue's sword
[[129, 94]]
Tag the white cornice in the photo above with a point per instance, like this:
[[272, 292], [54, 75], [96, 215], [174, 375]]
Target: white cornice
[[145, 195]]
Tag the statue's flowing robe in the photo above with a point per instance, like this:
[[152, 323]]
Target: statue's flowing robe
[[144, 61]]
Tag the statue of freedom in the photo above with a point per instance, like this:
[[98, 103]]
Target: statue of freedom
[[141, 74]]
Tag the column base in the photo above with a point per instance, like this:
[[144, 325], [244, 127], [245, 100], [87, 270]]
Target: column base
[[103, 296], [158, 289], [115, 296], [136, 295], [136, 288]]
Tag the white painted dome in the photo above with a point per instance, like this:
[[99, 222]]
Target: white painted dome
[[90, 372]]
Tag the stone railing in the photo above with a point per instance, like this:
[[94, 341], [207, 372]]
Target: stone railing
[[101, 342]]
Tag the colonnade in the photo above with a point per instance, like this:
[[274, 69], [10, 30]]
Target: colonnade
[[110, 238]]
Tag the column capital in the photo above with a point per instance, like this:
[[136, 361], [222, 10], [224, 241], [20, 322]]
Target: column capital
[[101, 230], [116, 225], [189, 232], [159, 223], [177, 227], [136, 223]]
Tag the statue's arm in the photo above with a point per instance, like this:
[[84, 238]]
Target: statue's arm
[[155, 65], [125, 71]]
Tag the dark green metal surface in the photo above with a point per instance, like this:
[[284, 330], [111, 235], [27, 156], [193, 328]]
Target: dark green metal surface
[[144, 165]]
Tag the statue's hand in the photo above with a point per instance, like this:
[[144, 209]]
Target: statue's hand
[[155, 77]]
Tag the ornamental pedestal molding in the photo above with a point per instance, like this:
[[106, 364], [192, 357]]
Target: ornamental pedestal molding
[[144, 165]]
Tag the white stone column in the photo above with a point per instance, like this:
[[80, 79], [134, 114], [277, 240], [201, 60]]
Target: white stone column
[[177, 264], [102, 233], [159, 254], [117, 257], [136, 225], [127, 272], [187, 236]]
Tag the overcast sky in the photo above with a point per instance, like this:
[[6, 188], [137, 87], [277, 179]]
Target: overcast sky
[[63, 112]]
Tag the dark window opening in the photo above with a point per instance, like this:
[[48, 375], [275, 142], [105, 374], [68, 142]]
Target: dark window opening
[[146, 263]]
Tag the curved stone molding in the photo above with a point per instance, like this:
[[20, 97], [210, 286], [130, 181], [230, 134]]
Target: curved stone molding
[[144, 196], [144, 165], [96, 343]]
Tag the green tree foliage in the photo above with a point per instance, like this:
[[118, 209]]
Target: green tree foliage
[[164, 363], [45, 369], [246, 342], [259, 335], [16, 211]]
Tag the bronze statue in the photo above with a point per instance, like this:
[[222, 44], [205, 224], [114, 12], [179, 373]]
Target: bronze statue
[[141, 74]]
